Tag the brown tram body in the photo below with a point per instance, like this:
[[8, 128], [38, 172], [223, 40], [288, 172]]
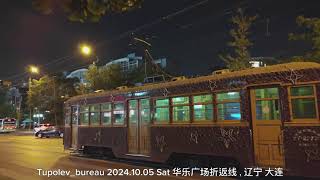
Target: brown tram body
[[283, 139]]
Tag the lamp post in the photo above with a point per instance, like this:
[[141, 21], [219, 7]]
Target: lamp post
[[87, 50], [32, 70]]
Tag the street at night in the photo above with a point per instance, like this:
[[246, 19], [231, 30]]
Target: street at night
[[170, 89], [22, 155]]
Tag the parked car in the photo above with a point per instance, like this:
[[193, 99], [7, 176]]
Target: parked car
[[41, 127], [49, 132]]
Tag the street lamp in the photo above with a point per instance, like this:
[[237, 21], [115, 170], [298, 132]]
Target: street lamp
[[32, 70], [87, 50]]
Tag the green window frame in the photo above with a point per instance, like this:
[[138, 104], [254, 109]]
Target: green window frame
[[203, 108], [228, 106], [84, 115], [118, 113], [303, 102], [133, 111], [180, 109], [145, 110], [95, 114], [267, 103], [162, 111], [106, 114]]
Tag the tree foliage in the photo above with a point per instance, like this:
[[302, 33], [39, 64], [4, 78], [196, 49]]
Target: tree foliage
[[311, 34], [106, 77], [6, 109], [48, 94], [85, 10], [240, 43]]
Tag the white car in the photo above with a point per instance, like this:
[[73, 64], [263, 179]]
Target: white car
[[41, 127]]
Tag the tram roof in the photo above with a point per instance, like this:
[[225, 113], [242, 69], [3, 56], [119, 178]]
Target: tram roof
[[234, 74]]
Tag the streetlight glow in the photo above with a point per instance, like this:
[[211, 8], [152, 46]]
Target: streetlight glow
[[86, 50], [34, 69]]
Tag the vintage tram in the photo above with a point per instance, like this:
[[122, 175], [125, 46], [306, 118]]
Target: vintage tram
[[266, 117]]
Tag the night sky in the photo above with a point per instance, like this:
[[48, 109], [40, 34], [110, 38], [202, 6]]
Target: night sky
[[189, 33]]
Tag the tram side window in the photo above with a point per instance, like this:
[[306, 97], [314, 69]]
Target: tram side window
[[181, 109], [95, 114], [303, 102], [118, 112], [162, 110], [228, 106], [145, 110], [84, 115], [203, 107], [133, 111], [106, 113]]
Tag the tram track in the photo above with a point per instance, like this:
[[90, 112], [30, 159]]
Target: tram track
[[138, 163]]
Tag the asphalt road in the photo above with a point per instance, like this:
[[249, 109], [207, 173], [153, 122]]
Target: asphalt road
[[22, 157]]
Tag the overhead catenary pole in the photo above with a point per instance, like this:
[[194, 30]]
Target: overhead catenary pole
[[145, 59]]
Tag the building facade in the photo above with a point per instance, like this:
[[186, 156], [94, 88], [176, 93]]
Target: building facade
[[127, 64], [80, 74], [132, 62]]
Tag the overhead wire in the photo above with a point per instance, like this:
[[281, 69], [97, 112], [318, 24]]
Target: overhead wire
[[120, 36]]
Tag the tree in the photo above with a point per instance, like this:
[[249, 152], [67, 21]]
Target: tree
[[240, 43], [6, 109], [48, 94], [106, 77], [85, 10], [311, 35], [135, 76]]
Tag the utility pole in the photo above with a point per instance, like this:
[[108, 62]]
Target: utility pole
[[268, 33], [32, 70], [55, 101], [30, 111]]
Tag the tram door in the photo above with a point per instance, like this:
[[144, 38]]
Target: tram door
[[266, 123], [74, 126], [139, 127]]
